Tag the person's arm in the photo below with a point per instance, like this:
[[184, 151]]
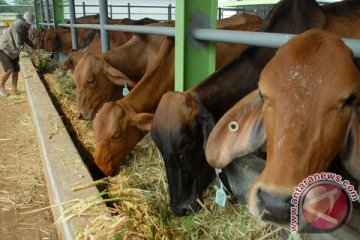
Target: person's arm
[[29, 42]]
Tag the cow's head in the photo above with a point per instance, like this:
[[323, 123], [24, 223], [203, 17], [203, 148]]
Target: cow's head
[[96, 83], [72, 60], [69, 63], [304, 106], [118, 128], [50, 41], [37, 37], [176, 124], [33, 33]]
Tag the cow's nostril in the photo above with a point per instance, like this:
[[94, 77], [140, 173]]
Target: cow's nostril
[[178, 211], [274, 208], [183, 211], [79, 115], [189, 211]]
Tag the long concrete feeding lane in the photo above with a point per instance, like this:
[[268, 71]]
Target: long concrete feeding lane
[[63, 165]]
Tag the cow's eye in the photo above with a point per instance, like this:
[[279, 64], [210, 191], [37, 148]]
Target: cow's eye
[[116, 136], [349, 101], [90, 82], [261, 96], [233, 126]]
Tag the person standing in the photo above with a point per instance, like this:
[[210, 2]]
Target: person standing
[[12, 41]]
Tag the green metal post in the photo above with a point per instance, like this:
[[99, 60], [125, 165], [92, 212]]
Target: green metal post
[[58, 12], [38, 14], [194, 60]]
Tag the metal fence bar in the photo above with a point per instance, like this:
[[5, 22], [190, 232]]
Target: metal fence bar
[[103, 11], [260, 39], [74, 37], [129, 10], [164, 31], [169, 12], [47, 12], [111, 11], [46, 24], [83, 7], [273, 40], [87, 26]]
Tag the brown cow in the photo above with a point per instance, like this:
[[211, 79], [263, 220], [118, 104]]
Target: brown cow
[[134, 57], [237, 19], [120, 125], [116, 39], [58, 39], [304, 106], [37, 35], [129, 61], [198, 109], [232, 22], [111, 153]]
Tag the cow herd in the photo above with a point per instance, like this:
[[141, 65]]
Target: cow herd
[[298, 104]]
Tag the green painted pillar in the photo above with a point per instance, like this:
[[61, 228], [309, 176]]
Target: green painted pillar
[[58, 12], [194, 60], [38, 14]]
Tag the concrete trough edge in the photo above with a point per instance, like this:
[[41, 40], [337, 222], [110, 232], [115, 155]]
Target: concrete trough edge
[[62, 163]]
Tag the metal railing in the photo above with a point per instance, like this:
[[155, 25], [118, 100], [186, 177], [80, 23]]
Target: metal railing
[[260, 39], [273, 40], [126, 11], [132, 11]]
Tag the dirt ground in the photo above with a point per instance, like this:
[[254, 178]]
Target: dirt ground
[[22, 183]]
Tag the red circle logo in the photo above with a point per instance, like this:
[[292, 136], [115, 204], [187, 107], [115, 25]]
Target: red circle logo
[[326, 206]]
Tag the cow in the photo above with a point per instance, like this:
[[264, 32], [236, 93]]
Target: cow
[[107, 72], [236, 20], [116, 39], [58, 39], [183, 120], [92, 19], [109, 154], [36, 36], [120, 125], [133, 59], [306, 102]]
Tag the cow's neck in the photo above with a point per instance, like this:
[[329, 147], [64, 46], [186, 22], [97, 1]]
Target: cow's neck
[[131, 58], [145, 96], [64, 37], [122, 59], [224, 88]]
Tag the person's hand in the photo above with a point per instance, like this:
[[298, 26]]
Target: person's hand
[[32, 52]]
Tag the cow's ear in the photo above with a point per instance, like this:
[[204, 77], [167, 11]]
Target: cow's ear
[[249, 126], [241, 130], [142, 121], [117, 77]]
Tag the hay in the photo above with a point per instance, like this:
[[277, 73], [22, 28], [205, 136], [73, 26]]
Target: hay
[[140, 194]]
